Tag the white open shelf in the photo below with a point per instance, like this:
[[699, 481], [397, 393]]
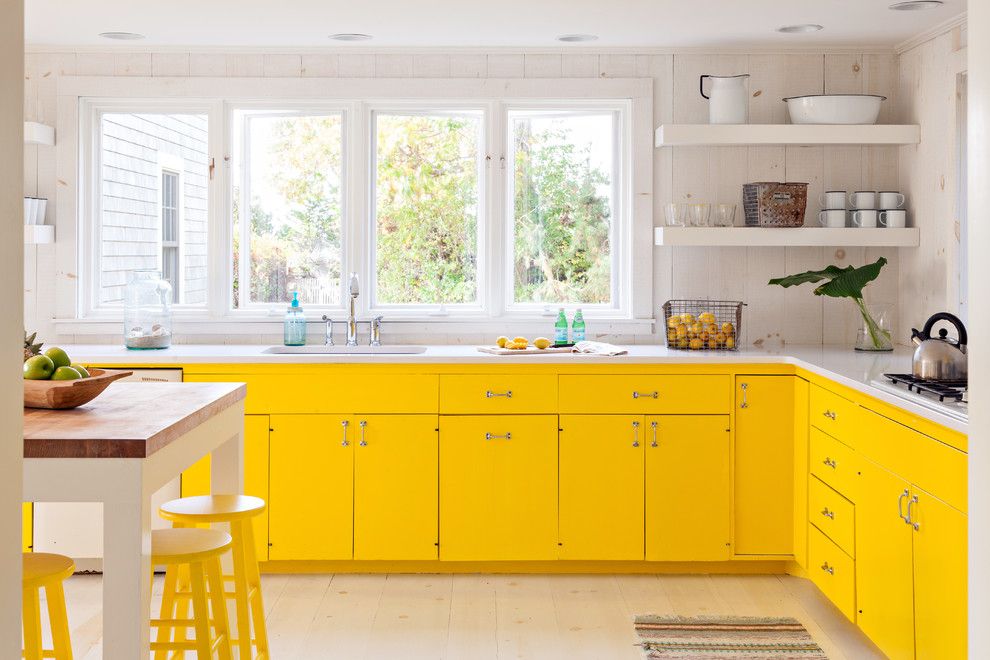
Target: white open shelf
[[675, 135], [787, 236], [35, 133], [36, 234]]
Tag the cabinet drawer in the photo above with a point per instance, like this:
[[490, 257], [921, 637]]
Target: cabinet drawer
[[834, 463], [651, 394], [832, 514], [833, 414], [833, 571], [497, 393]]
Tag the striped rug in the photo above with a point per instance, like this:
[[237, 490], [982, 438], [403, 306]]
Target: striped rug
[[726, 638]]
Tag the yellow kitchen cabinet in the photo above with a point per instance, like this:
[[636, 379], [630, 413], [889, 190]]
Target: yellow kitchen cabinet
[[498, 487], [602, 481], [311, 504], [688, 488], [27, 527], [939, 542], [196, 479], [764, 446], [395, 486], [884, 568], [656, 394]]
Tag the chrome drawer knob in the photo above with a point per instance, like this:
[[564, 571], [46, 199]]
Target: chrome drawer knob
[[828, 514], [828, 569]]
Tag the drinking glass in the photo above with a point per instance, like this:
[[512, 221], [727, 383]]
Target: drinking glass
[[725, 215], [700, 214], [674, 214]]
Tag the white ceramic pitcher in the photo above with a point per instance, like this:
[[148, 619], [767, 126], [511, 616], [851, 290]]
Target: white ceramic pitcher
[[728, 102]]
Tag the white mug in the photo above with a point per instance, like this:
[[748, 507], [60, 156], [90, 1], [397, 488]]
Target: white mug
[[891, 200], [833, 199], [865, 218], [832, 218], [863, 199], [893, 218]]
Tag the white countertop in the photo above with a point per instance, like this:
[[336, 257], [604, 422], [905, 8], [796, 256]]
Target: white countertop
[[838, 363]]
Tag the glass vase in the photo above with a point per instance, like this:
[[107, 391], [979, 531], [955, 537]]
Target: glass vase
[[874, 335], [147, 310]]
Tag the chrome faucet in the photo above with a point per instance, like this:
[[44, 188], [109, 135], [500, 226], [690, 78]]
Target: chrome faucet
[[351, 320]]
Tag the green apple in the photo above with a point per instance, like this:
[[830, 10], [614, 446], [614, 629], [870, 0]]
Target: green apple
[[58, 356], [83, 371], [66, 373], [39, 367]]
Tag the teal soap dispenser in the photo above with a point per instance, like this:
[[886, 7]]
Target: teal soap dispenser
[[295, 323]]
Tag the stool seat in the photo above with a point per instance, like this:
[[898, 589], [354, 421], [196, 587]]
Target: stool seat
[[187, 545], [212, 508], [41, 568]]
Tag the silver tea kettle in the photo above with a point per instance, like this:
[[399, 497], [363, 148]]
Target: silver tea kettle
[[940, 358]]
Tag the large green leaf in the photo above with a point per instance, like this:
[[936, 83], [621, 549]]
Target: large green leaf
[[847, 282]]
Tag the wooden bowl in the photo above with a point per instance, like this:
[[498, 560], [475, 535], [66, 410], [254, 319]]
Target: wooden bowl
[[63, 394]]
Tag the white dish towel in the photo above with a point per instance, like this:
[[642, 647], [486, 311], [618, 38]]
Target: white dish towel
[[598, 348]]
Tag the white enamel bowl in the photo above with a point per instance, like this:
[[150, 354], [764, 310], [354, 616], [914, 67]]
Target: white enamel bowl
[[834, 108]]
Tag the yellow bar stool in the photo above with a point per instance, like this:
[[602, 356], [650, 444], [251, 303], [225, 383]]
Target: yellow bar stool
[[237, 511], [43, 570], [198, 551]]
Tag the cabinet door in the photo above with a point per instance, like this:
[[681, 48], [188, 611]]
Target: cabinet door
[[764, 455], [688, 488], [884, 583], [939, 578], [498, 487], [196, 479], [312, 487], [602, 485], [395, 487]]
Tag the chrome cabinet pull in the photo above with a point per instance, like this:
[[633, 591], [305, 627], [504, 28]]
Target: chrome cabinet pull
[[363, 424], [653, 425], [345, 442], [493, 436], [829, 462], [900, 508], [830, 414], [744, 387], [828, 569], [635, 426], [489, 394], [828, 514], [910, 520], [646, 395]]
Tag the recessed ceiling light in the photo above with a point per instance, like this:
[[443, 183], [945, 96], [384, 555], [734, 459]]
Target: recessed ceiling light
[[122, 36], [916, 5], [800, 29], [350, 36], [577, 38]]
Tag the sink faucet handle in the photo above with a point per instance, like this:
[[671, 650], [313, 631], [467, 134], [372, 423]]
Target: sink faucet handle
[[328, 337], [376, 331], [355, 289]]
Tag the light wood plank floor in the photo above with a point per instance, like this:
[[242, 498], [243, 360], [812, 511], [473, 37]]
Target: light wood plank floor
[[489, 617]]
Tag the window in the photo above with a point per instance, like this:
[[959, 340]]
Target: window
[[151, 206], [428, 196], [287, 210], [563, 201]]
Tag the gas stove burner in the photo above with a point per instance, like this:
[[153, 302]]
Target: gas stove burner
[[945, 390]]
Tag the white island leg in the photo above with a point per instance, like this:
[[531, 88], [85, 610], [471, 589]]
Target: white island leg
[[227, 466]]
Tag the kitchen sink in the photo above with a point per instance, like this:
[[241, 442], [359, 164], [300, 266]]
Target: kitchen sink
[[345, 350]]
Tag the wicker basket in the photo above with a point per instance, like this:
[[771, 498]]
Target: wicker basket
[[681, 319], [770, 204]]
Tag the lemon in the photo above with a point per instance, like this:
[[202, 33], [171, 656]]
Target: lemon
[[682, 332], [671, 335], [730, 342], [521, 340], [695, 344], [720, 337], [728, 329], [712, 344], [502, 341], [541, 343], [682, 342], [706, 317], [687, 318], [673, 321]]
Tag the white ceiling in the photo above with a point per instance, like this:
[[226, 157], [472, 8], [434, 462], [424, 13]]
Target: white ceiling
[[478, 23]]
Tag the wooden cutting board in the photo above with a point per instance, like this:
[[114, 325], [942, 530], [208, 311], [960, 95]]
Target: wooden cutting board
[[529, 350]]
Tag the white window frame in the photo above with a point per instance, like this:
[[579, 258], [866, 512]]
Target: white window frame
[[174, 165], [83, 97]]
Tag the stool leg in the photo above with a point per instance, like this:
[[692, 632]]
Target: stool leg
[[219, 602], [32, 624], [183, 607], [201, 611], [254, 582], [168, 609], [59, 621], [243, 621]]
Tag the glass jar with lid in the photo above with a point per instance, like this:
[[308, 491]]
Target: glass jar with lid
[[147, 310]]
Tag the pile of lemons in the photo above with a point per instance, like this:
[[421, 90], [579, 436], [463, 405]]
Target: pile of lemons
[[703, 332], [520, 343]]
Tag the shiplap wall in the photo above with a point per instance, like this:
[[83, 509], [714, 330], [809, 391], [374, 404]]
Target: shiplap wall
[[683, 173]]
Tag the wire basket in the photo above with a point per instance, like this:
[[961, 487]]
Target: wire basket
[[702, 325]]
